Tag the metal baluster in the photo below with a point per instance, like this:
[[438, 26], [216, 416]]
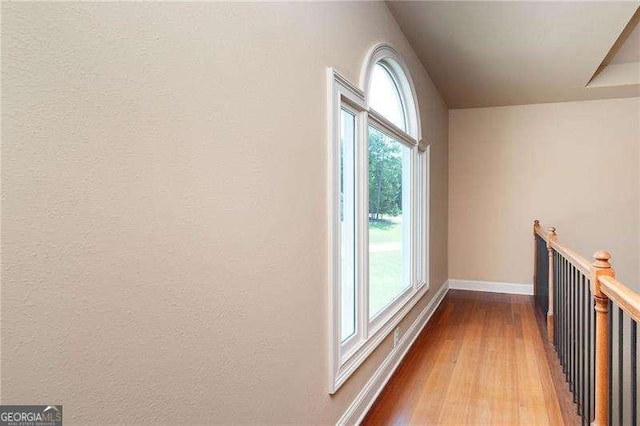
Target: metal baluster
[[578, 389], [610, 363], [562, 312], [571, 333], [566, 320], [584, 380], [570, 326], [620, 364], [634, 373], [580, 343], [559, 329], [574, 323], [555, 299], [590, 330]]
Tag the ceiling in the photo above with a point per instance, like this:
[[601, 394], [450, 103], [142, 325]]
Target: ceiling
[[511, 53]]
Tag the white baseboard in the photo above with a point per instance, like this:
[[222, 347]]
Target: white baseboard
[[367, 396], [491, 287]]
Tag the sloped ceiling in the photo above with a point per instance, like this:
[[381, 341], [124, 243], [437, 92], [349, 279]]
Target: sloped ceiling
[[621, 66], [511, 53], [630, 49]]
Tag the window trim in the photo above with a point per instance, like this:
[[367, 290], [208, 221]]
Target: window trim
[[345, 357]]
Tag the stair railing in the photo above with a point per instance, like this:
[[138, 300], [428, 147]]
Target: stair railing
[[579, 299]]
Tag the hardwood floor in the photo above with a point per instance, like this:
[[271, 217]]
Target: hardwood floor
[[480, 360]]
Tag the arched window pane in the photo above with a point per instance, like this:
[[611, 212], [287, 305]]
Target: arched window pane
[[385, 97]]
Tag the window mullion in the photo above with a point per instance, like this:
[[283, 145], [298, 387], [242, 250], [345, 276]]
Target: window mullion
[[380, 121]]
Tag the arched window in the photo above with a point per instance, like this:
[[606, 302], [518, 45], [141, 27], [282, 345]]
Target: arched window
[[389, 90], [378, 217]]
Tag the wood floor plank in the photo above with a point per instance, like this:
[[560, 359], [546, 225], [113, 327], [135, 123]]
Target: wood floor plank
[[480, 360]]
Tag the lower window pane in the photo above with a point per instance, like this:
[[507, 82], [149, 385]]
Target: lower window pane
[[389, 220], [347, 224]]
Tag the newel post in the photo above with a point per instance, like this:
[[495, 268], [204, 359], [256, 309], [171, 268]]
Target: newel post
[[551, 236], [599, 267]]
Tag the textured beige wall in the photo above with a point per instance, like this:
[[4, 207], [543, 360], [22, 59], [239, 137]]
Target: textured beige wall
[[164, 207], [573, 165]]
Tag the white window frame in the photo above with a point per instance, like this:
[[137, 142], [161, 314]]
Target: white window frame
[[345, 357]]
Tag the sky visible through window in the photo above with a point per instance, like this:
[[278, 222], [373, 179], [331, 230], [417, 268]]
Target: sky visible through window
[[385, 97]]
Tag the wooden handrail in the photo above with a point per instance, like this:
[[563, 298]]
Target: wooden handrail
[[623, 296], [576, 260]]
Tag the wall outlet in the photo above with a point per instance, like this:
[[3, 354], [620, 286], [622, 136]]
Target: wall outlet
[[396, 337]]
